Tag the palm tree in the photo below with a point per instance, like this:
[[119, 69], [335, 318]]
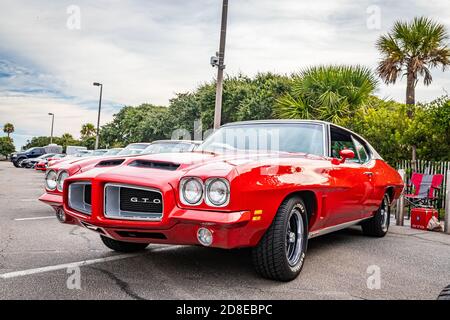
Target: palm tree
[[87, 130], [412, 49], [8, 128], [332, 93]]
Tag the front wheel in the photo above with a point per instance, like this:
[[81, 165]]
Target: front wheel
[[122, 246], [281, 252], [18, 162], [378, 225]]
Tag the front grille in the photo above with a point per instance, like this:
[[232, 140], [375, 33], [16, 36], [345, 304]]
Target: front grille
[[138, 200], [133, 202], [80, 197], [155, 165]]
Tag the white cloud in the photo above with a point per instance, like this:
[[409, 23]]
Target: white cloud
[[145, 51]]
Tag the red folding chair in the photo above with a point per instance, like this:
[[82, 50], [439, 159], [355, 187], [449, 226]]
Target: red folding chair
[[425, 186]]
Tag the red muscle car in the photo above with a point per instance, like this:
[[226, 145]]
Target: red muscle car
[[271, 185]]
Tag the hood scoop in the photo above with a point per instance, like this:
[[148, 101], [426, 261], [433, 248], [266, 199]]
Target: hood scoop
[[154, 165], [110, 163]]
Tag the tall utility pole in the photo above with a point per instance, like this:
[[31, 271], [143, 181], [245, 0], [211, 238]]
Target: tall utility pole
[[220, 66], [97, 84], [53, 122]]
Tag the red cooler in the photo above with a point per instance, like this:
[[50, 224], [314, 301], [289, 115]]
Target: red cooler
[[421, 216]]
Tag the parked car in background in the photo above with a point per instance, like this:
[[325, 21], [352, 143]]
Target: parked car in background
[[43, 163], [30, 163], [269, 185], [57, 173], [31, 153], [112, 152], [18, 157], [99, 152], [168, 146], [133, 149], [73, 157], [71, 150]]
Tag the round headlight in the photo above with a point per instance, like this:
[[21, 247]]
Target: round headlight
[[191, 191], [60, 181], [50, 180], [217, 192]]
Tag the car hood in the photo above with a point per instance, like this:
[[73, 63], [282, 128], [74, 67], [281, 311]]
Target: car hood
[[200, 164]]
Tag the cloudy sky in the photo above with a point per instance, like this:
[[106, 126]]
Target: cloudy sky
[[146, 50]]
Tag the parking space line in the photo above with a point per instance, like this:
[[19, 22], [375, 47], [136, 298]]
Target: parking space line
[[22, 273], [63, 266], [34, 218]]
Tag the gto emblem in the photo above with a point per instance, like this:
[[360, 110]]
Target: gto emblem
[[145, 200]]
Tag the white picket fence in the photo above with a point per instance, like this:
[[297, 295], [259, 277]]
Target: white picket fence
[[426, 167]]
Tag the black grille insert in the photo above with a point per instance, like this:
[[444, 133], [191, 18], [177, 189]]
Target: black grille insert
[[155, 165], [139, 200], [87, 194]]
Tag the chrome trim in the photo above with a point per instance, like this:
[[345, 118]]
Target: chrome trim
[[206, 194], [58, 176], [337, 227], [180, 192], [87, 208], [122, 185], [56, 179]]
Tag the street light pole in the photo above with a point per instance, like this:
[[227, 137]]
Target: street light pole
[[99, 110], [53, 121], [221, 66]]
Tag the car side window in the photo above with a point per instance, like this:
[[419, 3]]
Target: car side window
[[341, 140], [361, 151]]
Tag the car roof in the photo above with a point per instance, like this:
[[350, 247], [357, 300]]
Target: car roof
[[374, 153]]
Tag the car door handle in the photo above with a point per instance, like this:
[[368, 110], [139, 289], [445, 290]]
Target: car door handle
[[368, 173]]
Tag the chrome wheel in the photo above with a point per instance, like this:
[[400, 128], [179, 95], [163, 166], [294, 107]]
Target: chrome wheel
[[384, 212], [294, 236]]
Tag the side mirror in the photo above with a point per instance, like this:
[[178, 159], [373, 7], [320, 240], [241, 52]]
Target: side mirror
[[346, 154]]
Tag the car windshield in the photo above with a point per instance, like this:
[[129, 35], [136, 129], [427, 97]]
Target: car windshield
[[278, 137], [131, 149], [167, 147]]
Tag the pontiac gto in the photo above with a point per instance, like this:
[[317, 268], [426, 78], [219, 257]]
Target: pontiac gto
[[271, 185]]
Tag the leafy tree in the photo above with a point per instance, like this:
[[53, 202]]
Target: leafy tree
[[38, 142], [6, 146], [87, 131], [412, 49], [383, 124], [134, 124], [8, 128], [332, 93]]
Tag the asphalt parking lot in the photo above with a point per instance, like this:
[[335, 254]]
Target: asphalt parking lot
[[36, 251]]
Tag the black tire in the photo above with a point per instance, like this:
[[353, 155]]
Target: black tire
[[445, 294], [122, 246], [274, 257], [18, 162], [378, 225]]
